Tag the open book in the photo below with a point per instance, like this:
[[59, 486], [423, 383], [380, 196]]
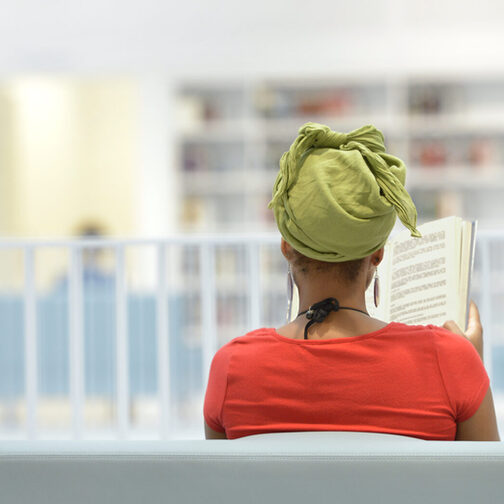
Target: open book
[[425, 280]]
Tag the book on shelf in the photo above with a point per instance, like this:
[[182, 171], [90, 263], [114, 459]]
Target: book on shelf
[[424, 280]]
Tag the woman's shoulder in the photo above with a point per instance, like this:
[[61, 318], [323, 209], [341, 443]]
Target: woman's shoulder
[[434, 330], [415, 328], [257, 336], [426, 332], [439, 335], [267, 335]]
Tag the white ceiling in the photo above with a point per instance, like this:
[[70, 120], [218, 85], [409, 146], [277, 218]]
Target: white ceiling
[[260, 36]]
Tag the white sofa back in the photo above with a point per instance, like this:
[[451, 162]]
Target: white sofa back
[[304, 468]]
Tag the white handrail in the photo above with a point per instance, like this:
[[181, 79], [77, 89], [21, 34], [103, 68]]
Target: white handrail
[[183, 239]]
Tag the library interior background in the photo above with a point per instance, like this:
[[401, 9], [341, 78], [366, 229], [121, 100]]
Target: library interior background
[[137, 159]]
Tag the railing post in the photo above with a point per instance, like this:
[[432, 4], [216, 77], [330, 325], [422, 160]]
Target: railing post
[[76, 344], [254, 283], [208, 306], [163, 346], [30, 342], [122, 381]]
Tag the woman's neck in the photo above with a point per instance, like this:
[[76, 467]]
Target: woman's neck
[[312, 291]]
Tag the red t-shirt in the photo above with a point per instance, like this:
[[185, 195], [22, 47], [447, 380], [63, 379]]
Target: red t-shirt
[[417, 381]]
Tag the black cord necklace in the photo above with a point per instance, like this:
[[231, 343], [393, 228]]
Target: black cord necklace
[[319, 311]]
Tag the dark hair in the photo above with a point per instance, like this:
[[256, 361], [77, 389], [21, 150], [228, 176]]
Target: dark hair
[[348, 271]]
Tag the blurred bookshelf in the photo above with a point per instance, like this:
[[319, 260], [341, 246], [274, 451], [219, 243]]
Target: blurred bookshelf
[[449, 131], [231, 136]]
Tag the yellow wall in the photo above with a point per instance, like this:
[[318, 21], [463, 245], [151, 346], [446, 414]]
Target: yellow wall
[[74, 150], [68, 151], [6, 164]]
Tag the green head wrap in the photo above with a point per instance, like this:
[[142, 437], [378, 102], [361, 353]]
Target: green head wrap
[[337, 195]]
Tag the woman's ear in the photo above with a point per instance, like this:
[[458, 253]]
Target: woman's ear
[[286, 249], [377, 257]]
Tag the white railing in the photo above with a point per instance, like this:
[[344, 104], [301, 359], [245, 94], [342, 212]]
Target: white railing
[[207, 291], [207, 288]]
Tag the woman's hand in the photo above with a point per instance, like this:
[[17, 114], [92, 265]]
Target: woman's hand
[[474, 332]]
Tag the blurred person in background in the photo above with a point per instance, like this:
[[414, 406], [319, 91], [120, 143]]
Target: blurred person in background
[[334, 368], [93, 270], [94, 274]]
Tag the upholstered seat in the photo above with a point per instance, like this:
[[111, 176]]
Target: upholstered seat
[[304, 468]]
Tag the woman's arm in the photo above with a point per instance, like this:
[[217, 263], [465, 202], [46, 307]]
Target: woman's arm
[[213, 434], [216, 393], [474, 331], [482, 426]]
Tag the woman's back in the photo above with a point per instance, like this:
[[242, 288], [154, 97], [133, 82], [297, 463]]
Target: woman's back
[[416, 381]]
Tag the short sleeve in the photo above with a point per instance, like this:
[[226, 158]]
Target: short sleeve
[[463, 373], [216, 389]]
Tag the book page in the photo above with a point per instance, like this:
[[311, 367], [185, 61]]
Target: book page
[[468, 244], [424, 284], [423, 280]]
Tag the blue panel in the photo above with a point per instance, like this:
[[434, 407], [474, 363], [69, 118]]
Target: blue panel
[[52, 345], [99, 344], [12, 380]]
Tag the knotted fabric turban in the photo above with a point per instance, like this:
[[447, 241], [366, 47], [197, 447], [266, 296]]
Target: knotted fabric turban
[[337, 195]]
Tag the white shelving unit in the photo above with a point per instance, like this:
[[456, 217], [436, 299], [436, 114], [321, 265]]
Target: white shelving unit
[[449, 131]]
